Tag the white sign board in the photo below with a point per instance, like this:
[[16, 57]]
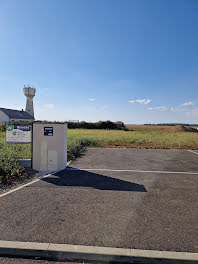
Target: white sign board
[[18, 134]]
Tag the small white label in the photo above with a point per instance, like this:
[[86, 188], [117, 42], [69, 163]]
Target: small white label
[[52, 160]]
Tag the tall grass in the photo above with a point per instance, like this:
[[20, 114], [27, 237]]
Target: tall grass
[[146, 139]]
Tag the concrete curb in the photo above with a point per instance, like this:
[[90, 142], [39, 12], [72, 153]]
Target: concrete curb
[[63, 252]]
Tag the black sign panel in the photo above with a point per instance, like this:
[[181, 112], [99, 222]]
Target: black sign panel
[[48, 131]]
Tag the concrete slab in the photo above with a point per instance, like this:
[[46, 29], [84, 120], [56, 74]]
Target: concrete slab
[[25, 162]]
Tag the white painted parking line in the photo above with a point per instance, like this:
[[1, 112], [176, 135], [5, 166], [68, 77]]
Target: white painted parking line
[[193, 152], [27, 184], [138, 171]]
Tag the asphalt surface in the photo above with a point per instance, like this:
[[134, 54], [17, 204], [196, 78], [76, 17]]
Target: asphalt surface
[[138, 159], [142, 210]]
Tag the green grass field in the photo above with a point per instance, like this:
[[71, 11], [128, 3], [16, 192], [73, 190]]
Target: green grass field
[[79, 138], [137, 139]]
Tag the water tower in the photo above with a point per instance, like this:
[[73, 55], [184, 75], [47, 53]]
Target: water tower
[[29, 92]]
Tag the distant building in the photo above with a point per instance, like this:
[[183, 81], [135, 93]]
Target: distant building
[[9, 115], [29, 92], [119, 124]]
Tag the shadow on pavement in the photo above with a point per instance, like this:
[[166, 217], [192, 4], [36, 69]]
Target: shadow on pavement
[[81, 178]]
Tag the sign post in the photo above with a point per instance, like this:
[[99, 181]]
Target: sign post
[[16, 134]]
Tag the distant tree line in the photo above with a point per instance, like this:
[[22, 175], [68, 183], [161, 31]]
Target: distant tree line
[[85, 125], [94, 125], [90, 125]]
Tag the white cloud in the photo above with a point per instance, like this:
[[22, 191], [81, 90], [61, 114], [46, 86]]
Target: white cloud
[[140, 101], [143, 101], [173, 109], [92, 99], [188, 103], [161, 108], [49, 106]]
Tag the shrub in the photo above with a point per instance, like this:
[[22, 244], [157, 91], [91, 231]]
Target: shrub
[[10, 170], [75, 148], [21, 123], [2, 128]]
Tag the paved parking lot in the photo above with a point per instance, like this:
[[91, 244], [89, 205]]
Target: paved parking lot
[[129, 198]]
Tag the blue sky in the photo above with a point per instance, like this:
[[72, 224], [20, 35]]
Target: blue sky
[[129, 60]]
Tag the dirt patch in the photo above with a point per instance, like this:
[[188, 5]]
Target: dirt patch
[[177, 128]]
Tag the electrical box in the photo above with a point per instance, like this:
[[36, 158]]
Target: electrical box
[[49, 146]]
